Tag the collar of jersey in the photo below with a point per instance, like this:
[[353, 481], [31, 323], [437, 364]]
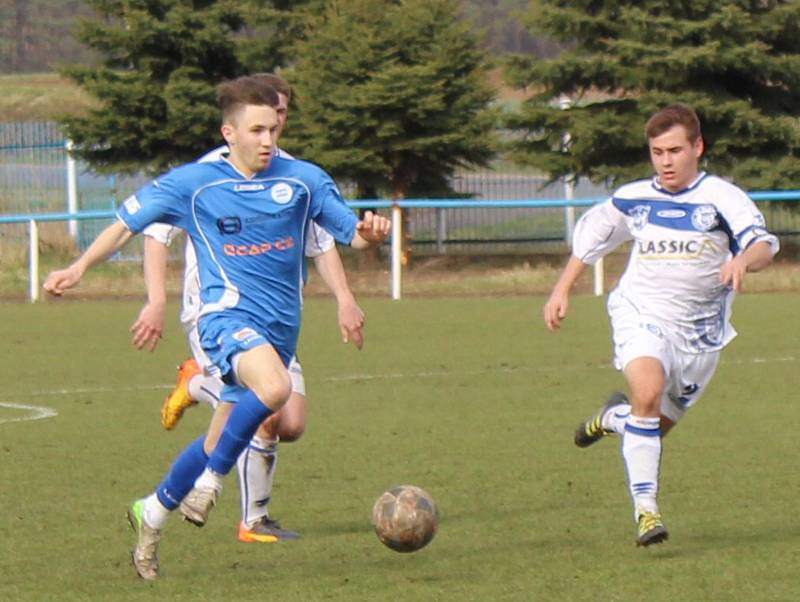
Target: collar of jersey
[[657, 185], [277, 152]]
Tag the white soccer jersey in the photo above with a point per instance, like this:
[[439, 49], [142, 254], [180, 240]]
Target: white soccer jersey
[[680, 241], [318, 241]]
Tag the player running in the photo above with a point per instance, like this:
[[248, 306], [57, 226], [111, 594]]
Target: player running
[[247, 216], [695, 236], [257, 465]]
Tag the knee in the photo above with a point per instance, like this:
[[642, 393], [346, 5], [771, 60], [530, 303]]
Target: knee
[[291, 431], [274, 391], [646, 400]]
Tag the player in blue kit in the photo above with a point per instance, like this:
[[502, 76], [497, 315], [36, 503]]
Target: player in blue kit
[[247, 215]]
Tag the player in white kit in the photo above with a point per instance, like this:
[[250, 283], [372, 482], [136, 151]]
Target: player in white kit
[[257, 464], [694, 238]]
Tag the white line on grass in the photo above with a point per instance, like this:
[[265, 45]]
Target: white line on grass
[[386, 376], [34, 412]]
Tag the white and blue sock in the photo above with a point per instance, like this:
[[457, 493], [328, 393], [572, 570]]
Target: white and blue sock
[[207, 389], [256, 466], [641, 450]]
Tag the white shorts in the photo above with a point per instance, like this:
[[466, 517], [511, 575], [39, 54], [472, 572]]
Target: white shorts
[[687, 374], [295, 369]]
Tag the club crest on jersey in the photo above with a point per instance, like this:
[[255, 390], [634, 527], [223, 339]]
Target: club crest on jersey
[[281, 193], [704, 218], [640, 214]]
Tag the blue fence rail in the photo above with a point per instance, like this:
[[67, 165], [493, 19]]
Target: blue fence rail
[[443, 240]]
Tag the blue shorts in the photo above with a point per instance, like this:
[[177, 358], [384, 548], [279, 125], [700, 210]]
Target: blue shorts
[[222, 338]]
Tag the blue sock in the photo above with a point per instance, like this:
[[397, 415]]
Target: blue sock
[[181, 477], [242, 424]]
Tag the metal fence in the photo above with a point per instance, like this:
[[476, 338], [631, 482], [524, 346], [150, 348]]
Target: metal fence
[[37, 176]]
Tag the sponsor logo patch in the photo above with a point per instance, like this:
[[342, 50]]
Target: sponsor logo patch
[[248, 187], [671, 213], [132, 204], [229, 225], [258, 249], [244, 334]]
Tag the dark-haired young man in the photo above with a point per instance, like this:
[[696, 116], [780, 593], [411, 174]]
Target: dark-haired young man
[[247, 216], [257, 465]]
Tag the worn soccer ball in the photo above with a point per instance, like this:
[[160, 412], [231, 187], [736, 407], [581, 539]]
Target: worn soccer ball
[[405, 518]]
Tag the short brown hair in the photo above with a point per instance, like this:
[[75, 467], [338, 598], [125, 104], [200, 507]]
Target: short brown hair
[[276, 81], [677, 114], [235, 94]]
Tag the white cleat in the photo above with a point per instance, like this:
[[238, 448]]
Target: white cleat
[[197, 505]]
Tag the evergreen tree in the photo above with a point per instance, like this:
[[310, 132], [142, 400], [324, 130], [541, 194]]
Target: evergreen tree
[[157, 84], [391, 95], [737, 62]]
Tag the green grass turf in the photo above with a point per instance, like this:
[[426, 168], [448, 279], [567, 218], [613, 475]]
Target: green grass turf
[[471, 399]]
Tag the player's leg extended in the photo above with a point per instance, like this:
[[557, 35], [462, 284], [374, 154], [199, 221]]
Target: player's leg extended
[[258, 463], [641, 445], [265, 389]]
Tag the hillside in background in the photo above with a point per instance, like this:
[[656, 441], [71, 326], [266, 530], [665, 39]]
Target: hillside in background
[[38, 35]]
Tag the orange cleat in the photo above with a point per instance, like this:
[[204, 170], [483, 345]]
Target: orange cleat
[[266, 530], [177, 401]]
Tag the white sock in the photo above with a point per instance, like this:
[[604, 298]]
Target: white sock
[[256, 468], [206, 389], [616, 417], [641, 449], [209, 480], [155, 514]]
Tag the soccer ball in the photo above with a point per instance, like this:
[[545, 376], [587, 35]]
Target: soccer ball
[[405, 518]]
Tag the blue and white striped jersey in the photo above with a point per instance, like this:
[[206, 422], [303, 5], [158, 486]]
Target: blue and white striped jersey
[[680, 241], [248, 233]]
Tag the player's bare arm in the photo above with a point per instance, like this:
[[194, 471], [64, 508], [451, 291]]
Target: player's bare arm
[[756, 257], [106, 244], [351, 317], [370, 231], [149, 325], [555, 310]]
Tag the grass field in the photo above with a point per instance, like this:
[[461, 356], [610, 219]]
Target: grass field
[[469, 398]]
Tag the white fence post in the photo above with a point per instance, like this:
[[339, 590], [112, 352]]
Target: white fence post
[[397, 250], [72, 190], [33, 260], [599, 278], [569, 212]]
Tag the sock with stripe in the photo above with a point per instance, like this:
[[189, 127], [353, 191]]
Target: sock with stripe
[[256, 466], [641, 450], [206, 389]]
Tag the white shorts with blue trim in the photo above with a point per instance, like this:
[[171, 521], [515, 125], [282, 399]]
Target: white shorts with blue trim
[[687, 374]]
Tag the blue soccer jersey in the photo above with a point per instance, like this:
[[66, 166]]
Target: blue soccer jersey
[[249, 235]]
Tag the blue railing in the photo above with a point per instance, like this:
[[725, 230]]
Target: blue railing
[[768, 195]]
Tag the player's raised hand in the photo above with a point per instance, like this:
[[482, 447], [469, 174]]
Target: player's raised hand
[[148, 327], [59, 281], [374, 228]]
